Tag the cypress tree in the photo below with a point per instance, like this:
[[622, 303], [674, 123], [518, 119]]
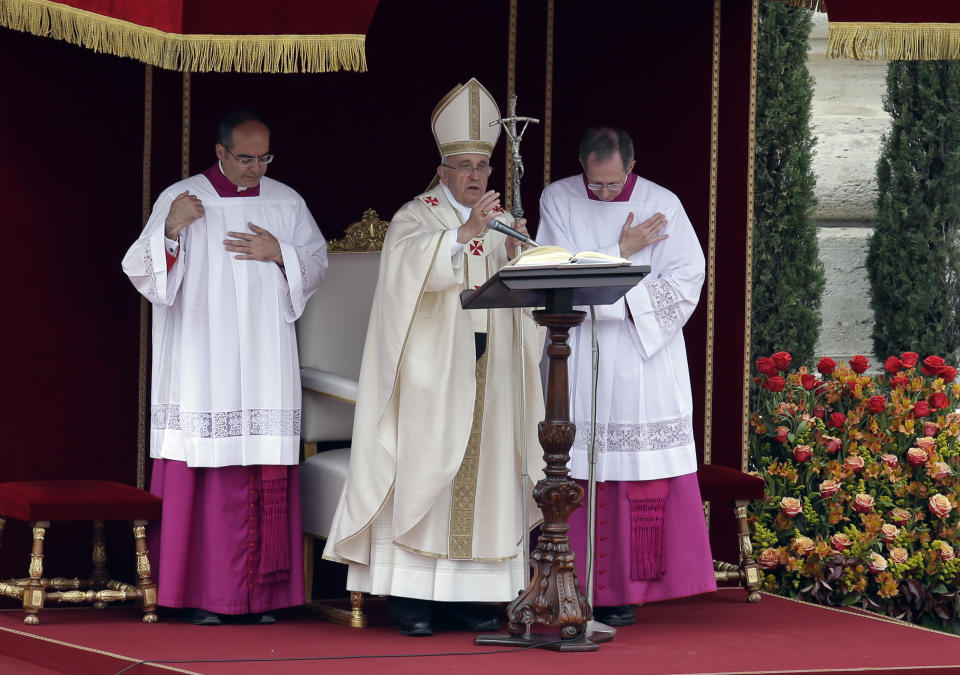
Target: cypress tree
[[913, 258], [788, 276]]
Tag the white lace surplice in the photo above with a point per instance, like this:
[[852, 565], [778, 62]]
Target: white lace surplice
[[644, 402], [226, 379]]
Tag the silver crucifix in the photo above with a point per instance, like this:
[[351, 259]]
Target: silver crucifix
[[509, 125]]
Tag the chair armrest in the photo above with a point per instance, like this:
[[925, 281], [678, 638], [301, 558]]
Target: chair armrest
[[329, 384]]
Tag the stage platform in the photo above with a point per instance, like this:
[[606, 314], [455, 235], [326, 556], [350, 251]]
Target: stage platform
[[714, 633]]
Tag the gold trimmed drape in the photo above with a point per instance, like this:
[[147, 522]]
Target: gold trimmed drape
[[194, 52]]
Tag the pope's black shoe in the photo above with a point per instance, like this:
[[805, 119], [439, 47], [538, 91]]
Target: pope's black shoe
[[200, 617], [413, 616], [462, 616], [621, 615]]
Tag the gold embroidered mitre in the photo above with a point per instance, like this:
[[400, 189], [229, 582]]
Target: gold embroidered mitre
[[461, 121]]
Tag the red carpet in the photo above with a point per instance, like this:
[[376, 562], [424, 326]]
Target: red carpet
[[715, 633]]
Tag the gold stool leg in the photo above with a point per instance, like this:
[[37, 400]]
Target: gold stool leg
[[750, 572], [99, 578], [147, 589], [33, 594]]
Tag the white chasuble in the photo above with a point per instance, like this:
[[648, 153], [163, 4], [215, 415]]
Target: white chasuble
[[644, 402], [225, 386], [434, 486]]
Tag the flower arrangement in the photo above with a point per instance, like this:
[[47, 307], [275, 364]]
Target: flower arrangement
[[861, 474]]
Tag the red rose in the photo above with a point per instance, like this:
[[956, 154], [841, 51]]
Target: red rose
[[782, 434], [900, 381], [809, 381], [921, 409], [909, 359], [775, 383], [859, 363], [802, 453], [892, 365], [938, 401], [819, 411], [766, 367], [782, 360], [948, 373], [877, 404], [826, 365], [836, 420], [932, 365]]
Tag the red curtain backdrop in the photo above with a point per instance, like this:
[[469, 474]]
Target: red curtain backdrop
[[239, 17], [916, 11]]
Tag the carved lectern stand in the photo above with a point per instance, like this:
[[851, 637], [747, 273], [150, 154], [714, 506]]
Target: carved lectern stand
[[553, 597]]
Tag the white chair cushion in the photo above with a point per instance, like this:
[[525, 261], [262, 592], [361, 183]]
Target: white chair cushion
[[321, 482]]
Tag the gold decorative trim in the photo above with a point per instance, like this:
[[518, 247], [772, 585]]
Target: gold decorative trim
[[367, 234], [185, 126], [175, 51], [143, 364], [463, 503], [893, 41], [748, 263], [548, 96], [508, 198], [474, 91], [712, 237], [460, 147]]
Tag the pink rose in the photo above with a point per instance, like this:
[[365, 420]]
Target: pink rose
[[940, 505], [765, 366], [889, 460], [802, 545], [829, 487], [782, 360], [930, 429], [863, 503], [802, 453], [831, 444], [777, 383], [909, 359], [899, 555], [853, 463], [819, 411], [939, 470], [889, 532], [892, 365], [946, 551], [916, 457], [826, 365], [840, 542], [782, 434], [926, 443], [899, 516], [791, 507], [859, 363], [769, 559], [876, 562]]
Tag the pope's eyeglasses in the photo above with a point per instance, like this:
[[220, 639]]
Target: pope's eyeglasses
[[468, 169]]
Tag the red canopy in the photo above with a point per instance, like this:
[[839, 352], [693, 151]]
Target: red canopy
[[207, 35], [925, 30]]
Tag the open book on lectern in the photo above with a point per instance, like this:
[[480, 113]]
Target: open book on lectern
[[557, 256]]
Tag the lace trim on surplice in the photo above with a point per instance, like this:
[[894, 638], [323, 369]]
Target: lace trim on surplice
[[666, 308], [151, 275], [637, 437], [249, 422]]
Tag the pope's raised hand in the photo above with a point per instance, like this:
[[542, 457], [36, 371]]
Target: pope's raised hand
[[261, 245], [480, 215], [185, 209], [633, 239]]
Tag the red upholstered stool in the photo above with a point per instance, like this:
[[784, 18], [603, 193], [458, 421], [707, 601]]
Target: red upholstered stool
[[40, 502], [723, 484]]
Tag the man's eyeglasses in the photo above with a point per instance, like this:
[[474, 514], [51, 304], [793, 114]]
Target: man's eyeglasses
[[247, 160], [468, 169], [612, 187]]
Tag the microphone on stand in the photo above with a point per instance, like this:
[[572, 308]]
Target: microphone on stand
[[495, 224]]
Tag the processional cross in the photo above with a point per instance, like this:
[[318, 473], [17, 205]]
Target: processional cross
[[509, 125]]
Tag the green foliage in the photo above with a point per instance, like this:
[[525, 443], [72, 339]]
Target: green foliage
[[788, 277], [913, 261]]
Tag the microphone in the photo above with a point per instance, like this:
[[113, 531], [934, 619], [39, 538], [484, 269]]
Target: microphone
[[495, 224]]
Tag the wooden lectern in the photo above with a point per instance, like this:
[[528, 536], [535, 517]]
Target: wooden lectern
[[553, 597]]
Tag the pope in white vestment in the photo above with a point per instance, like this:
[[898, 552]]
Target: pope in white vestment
[[431, 509], [225, 385], [651, 541]]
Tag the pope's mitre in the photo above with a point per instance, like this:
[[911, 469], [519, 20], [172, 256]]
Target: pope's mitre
[[461, 121]]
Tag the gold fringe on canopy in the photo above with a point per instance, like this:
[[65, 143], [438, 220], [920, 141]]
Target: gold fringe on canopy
[[815, 5], [195, 53], [894, 41]]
